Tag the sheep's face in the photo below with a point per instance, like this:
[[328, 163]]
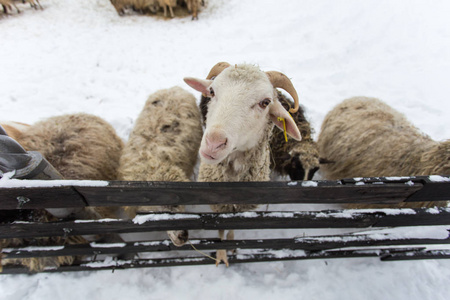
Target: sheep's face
[[243, 105]]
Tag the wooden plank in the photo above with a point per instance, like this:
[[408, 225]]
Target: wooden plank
[[414, 255], [196, 193], [248, 220], [127, 193], [436, 190], [45, 197], [308, 244], [266, 256]]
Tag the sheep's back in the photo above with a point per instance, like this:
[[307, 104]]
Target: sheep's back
[[364, 137], [79, 146], [164, 143]]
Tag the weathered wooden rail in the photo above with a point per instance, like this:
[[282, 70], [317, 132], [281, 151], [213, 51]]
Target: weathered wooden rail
[[412, 234]]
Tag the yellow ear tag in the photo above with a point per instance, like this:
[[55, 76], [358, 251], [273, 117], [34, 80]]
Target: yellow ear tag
[[284, 127]]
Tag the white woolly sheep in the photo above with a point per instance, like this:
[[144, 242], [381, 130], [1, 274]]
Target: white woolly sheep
[[298, 159], [244, 107], [7, 5], [163, 145], [137, 5], [79, 146], [364, 137]]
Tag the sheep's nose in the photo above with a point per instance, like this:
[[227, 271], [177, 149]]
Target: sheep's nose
[[216, 141]]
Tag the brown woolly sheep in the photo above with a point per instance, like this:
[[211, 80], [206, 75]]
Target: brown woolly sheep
[[137, 5], [163, 145], [79, 146], [168, 4], [7, 5], [192, 6], [235, 146], [365, 137], [33, 3]]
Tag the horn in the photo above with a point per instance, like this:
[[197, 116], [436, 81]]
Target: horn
[[217, 69], [279, 80]]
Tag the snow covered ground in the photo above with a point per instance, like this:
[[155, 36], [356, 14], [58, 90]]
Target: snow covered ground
[[80, 56]]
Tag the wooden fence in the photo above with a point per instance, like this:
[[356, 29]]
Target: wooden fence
[[390, 234]]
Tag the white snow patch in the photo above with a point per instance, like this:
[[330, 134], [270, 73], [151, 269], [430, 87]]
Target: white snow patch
[[396, 178], [433, 210], [107, 245], [437, 178], [141, 219], [351, 213], [6, 182], [98, 221], [309, 183], [154, 243], [247, 214], [279, 215], [415, 232], [33, 248]]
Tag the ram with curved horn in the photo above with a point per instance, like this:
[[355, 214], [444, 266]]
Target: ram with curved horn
[[242, 110], [297, 159]]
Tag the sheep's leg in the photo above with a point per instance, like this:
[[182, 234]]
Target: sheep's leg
[[18, 11], [195, 10], [165, 11], [189, 6], [9, 6], [171, 12], [306, 174], [39, 4], [221, 255]]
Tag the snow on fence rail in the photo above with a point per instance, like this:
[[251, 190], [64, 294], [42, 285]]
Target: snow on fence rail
[[411, 234]]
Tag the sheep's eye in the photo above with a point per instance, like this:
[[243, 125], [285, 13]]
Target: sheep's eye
[[264, 103], [211, 92]]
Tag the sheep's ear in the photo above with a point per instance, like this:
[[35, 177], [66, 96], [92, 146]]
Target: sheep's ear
[[200, 85], [277, 111]]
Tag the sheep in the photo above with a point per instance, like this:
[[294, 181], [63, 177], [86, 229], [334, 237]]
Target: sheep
[[192, 6], [79, 146], [244, 107], [163, 145], [168, 3], [8, 4], [138, 5], [33, 3], [365, 137], [298, 159]]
